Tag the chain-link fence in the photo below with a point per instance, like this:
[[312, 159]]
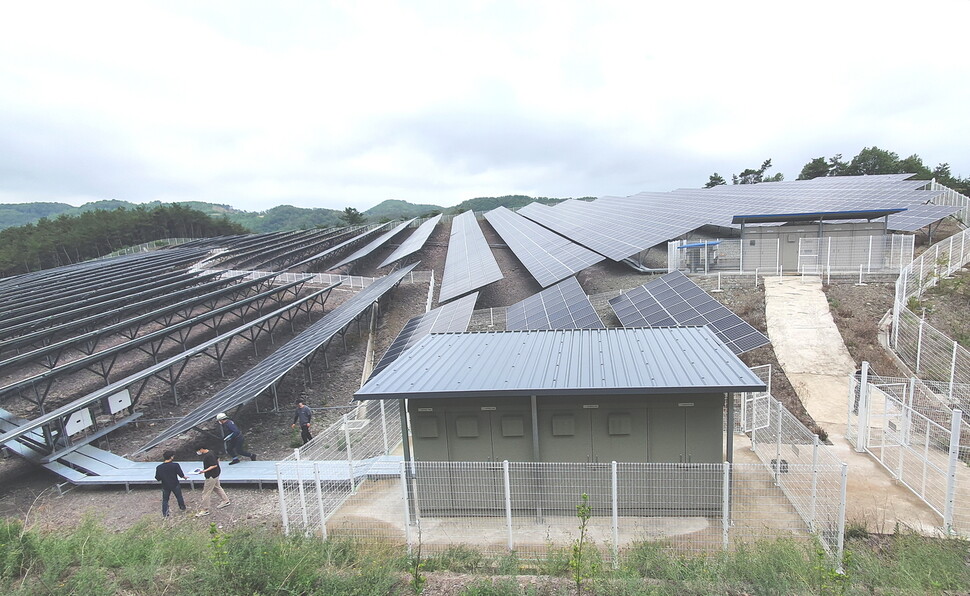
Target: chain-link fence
[[321, 475], [856, 256], [931, 354], [531, 508], [343, 483], [901, 424]]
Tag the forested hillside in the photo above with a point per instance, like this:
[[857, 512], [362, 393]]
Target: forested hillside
[[65, 239]]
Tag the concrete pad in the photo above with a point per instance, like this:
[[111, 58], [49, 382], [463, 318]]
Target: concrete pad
[[810, 350]]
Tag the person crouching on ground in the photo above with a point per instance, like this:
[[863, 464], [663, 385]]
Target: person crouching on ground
[[168, 473], [302, 417], [211, 470], [233, 439]]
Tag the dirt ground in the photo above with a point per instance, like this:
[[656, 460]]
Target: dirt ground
[[26, 492]]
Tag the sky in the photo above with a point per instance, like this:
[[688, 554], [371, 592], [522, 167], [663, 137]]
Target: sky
[[337, 104]]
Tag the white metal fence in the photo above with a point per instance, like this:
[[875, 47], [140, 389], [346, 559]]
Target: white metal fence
[[854, 255], [923, 447], [952, 197], [316, 480], [931, 354], [343, 483], [530, 508]]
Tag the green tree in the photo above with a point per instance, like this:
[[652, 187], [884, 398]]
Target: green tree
[[816, 168], [873, 160], [837, 167], [750, 176], [352, 217], [715, 180]]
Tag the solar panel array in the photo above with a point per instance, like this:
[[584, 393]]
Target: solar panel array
[[374, 244], [450, 318], [469, 264], [563, 306], [619, 227], [675, 300], [414, 242], [254, 381], [341, 246], [548, 256]]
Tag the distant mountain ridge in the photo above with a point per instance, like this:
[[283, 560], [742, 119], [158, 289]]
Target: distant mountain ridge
[[282, 217]]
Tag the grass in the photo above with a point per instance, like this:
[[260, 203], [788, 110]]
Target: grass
[[154, 558]]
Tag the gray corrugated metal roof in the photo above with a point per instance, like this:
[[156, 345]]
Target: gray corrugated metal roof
[[564, 362]]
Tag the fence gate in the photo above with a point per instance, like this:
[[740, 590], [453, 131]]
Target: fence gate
[[808, 262], [756, 411]]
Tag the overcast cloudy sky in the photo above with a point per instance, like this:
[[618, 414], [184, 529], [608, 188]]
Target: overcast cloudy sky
[[257, 104]]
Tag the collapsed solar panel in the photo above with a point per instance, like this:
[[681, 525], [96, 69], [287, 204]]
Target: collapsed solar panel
[[548, 256], [414, 242], [674, 300], [450, 318], [469, 264], [563, 306], [373, 245]]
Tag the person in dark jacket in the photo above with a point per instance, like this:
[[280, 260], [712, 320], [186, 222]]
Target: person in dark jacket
[[233, 438], [302, 417], [168, 473]]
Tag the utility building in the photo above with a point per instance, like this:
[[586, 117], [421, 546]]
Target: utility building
[[577, 395]]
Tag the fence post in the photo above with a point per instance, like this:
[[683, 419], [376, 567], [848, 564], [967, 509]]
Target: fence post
[[951, 472], [319, 486], [741, 256], [811, 517], [616, 516], [299, 480], [725, 504], [350, 456], [508, 502], [840, 543], [953, 368], [828, 263], [384, 426], [282, 493], [862, 438], [778, 254], [869, 260], [919, 342], [407, 506], [778, 443]]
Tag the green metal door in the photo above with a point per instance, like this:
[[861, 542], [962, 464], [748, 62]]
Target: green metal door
[[477, 487]]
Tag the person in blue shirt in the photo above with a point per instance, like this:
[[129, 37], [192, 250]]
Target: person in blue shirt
[[233, 439], [168, 473]]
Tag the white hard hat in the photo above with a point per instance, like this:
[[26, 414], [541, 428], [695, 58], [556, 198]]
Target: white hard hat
[[221, 416]]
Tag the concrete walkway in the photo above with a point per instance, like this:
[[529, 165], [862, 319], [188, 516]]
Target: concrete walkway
[[812, 354]]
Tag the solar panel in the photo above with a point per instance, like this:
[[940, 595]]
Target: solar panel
[[450, 318], [469, 264], [563, 306], [374, 244], [548, 256], [675, 300], [414, 242], [619, 227], [254, 381]]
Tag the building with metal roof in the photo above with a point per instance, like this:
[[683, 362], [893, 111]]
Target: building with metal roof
[[574, 396]]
